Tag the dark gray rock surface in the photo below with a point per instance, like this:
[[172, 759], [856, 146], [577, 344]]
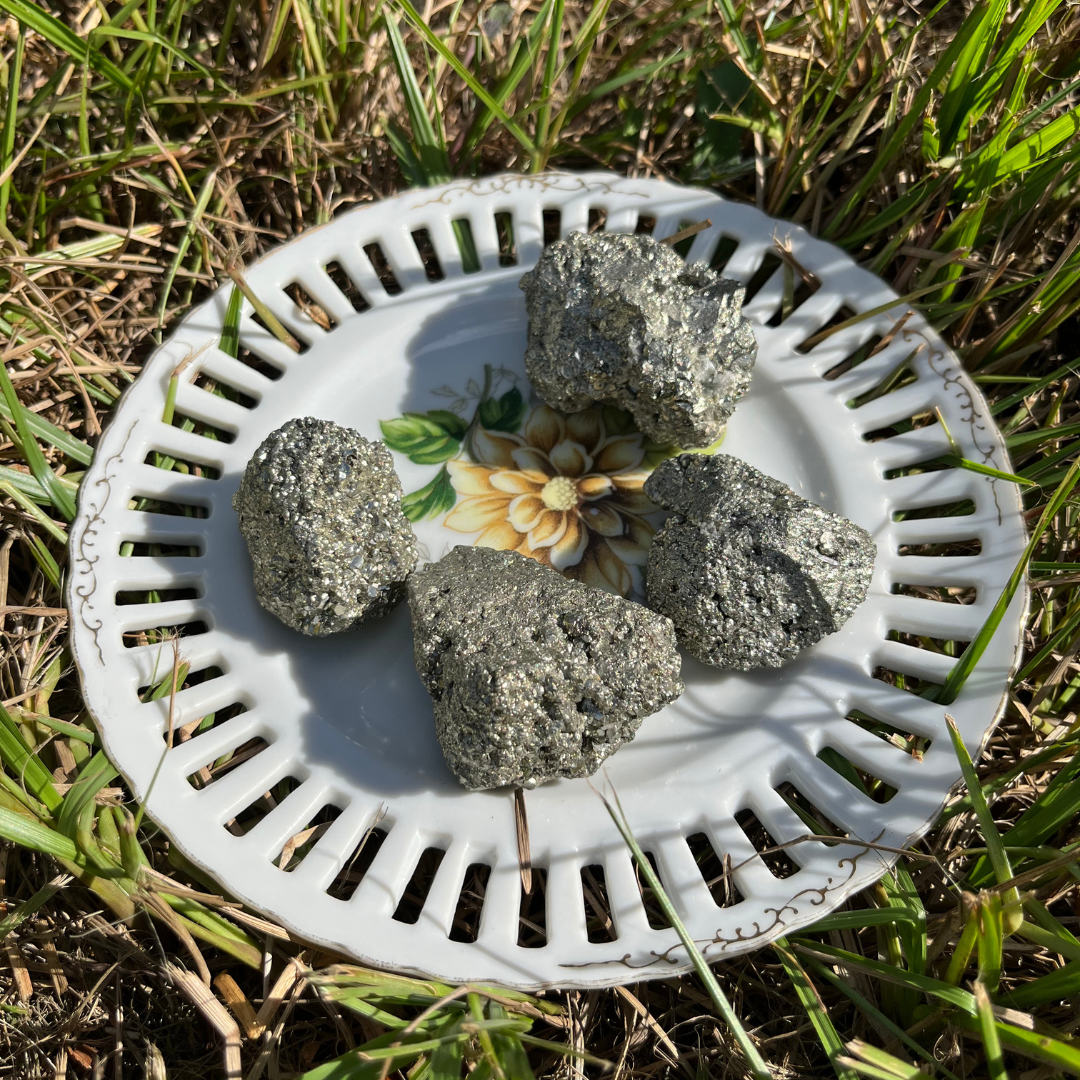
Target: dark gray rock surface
[[621, 318], [749, 572], [533, 676], [320, 509]]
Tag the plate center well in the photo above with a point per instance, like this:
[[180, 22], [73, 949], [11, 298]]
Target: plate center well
[[461, 373]]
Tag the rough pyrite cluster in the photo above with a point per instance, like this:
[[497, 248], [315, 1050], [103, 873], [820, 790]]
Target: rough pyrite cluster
[[749, 572], [533, 676], [620, 318], [320, 509]]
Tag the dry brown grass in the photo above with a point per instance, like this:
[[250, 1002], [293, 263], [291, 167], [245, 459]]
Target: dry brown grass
[[96, 996]]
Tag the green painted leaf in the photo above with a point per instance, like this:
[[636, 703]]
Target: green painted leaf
[[450, 422], [503, 413], [422, 439], [431, 500]]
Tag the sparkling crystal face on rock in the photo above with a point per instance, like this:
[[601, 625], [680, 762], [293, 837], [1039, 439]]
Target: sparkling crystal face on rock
[[533, 676], [620, 318], [320, 510], [749, 572]]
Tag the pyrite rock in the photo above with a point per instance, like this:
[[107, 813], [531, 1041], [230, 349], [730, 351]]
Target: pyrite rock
[[749, 572], [533, 676], [320, 509], [620, 318]]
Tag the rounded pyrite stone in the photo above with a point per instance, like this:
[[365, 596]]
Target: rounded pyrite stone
[[320, 509], [749, 572], [533, 676], [620, 318]]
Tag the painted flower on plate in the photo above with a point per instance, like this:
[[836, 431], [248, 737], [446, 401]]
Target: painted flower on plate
[[564, 492]]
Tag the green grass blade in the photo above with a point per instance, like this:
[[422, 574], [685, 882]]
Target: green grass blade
[[811, 1001], [524, 60], [1033, 387], [1029, 1043], [56, 33], [430, 150], [963, 668], [24, 764], [1057, 804], [999, 858], [959, 94], [757, 1064], [1031, 18], [951, 995], [870, 1061], [16, 918], [273, 323], [94, 775], [21, 499], [547, 87], [407, 158], [23, 830], [201, 203], [913, 116], [157, 39], [961, 956], [873, 1011], [11, 118], [43, 557], [1057, 986], [62, 498], [856, 920], [464, 74], [1047, 940], [991, 939], [230, 332], [903, 895], [1027, 153]]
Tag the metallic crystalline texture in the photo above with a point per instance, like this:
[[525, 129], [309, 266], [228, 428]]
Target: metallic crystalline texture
[[533, 676], [320, 509], [749, 572], [620, 318]]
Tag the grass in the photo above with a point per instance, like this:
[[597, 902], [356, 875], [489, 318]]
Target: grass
[[148, 150]]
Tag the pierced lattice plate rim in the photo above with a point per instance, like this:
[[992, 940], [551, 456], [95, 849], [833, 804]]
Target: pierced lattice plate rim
[[341, 730]]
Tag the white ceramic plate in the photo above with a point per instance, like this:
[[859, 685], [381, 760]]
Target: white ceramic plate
[[344, 723]]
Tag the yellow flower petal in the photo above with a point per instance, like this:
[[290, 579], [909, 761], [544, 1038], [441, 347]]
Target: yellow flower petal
[[502, 536], [525, 512], [495, 448], [514, 482], [549, 530], [470, 479], [572, 545], [633, 545], [570, 458], [533, 462], [620, 454], [544, 428], [612, 568], [629, 496], [601, 518], [588, 571], [540, 555], [472, 515], [587, 428], [594, 486]]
